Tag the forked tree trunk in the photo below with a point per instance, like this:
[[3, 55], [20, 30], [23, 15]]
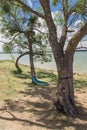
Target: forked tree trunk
[[64, 101]]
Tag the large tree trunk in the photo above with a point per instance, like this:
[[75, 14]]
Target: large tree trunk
[[65, 94], [64, 100]]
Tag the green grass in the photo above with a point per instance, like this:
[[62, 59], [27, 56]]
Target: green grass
[[11, 80], [12, 84], [80, 81]]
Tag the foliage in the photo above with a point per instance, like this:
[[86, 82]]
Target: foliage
[[20, 22], [55, 2], [81, 7], [7, 48]]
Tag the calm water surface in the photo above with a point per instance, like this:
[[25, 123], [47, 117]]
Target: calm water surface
[[80, 61]]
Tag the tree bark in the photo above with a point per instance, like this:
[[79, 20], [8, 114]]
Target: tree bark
[[31, 60], [32, 68], [17, 60], [64, 100]]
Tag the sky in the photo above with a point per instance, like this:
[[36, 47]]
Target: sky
[[29, 2], [36, 4], [53, 8]]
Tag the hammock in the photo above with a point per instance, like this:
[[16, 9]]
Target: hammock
[[38, 82]]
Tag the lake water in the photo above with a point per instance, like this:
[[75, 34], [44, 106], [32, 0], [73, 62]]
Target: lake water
[[80, 62]]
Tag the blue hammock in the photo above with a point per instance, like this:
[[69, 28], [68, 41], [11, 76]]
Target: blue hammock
[[38, 82]]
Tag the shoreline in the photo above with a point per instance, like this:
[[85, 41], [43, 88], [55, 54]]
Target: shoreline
[[54, 71], [49, 70]]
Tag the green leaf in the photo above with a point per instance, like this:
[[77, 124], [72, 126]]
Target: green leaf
[[6, 8], [55, 2]]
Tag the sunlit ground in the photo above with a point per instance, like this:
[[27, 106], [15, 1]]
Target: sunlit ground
[[25, 106]]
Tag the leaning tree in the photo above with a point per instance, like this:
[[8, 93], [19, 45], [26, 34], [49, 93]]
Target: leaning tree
[[63, 53], [26, 38]]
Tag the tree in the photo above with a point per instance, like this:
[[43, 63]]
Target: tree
[[23, 29], [64, 100]]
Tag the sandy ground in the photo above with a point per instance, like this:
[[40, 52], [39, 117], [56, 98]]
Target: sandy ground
[[33, 110]]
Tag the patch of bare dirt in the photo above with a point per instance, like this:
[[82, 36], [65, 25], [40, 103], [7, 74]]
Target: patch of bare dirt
[[33, 110]]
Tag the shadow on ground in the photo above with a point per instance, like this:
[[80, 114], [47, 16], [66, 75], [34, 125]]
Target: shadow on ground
[[34, 106], [20, 75], [38, 102], [44, 75]]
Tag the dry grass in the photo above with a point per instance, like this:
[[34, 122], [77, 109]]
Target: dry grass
[[24, 106]]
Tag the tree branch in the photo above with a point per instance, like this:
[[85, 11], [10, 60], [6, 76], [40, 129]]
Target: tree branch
[[29, 9], [11, 39], [63, 36], [40, 31], [76, 39], [14, 37], [73, 19], [64, 27], [23, 46], [83, 47], [76, 6], [46, 7]]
